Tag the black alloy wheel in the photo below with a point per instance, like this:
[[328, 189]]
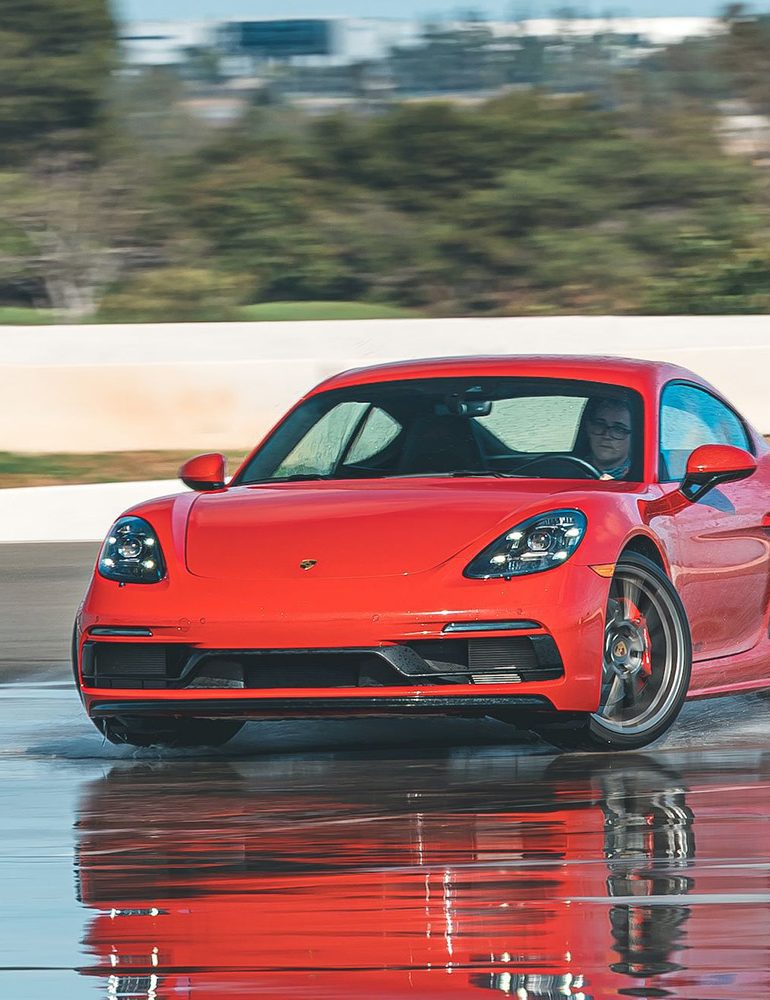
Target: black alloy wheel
[[646, 665]]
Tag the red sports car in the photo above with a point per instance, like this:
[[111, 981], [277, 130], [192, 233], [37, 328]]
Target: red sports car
[[573, 545]]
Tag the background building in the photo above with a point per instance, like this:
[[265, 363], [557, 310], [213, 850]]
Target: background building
[[326, 42]]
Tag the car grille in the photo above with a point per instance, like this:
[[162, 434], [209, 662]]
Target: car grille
[[487, 660]]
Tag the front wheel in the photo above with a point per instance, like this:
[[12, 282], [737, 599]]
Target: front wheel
[[173, 733], [646, 664]]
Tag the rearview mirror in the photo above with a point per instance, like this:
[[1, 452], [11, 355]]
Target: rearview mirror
[[204, 472], [461, 407], [712, 464]]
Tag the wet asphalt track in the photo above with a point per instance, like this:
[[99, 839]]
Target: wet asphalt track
[[432, 858]]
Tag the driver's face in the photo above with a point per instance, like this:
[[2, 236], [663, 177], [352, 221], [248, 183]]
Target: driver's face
[[609, 433]]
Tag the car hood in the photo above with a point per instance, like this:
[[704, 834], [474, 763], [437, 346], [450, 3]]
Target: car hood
[[387, 528]]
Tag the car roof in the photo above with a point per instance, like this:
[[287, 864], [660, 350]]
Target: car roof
[[644, 376]]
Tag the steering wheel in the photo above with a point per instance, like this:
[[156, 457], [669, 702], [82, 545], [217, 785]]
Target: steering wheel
[[580, 468]]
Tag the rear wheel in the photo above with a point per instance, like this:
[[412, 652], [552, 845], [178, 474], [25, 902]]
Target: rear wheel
[[177, 733], [646, 663]]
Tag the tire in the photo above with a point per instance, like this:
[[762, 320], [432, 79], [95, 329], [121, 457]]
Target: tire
[[646, 664], [172, 733]]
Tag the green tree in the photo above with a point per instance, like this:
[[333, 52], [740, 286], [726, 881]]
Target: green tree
[[55, 60], [68, 232], [746, 53]]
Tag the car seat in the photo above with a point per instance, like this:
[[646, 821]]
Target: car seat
[[440, 444]]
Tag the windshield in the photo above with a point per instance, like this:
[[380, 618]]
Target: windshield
[[534, 428]]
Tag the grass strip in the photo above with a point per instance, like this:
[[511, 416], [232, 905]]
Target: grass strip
[[264, 312], [275, 312]]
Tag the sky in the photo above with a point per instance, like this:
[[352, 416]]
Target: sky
[[195, 10]]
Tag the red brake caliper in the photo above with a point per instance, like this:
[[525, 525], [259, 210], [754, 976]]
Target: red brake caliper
[[633, 614]]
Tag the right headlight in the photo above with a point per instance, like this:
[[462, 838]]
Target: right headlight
[[539, 543], [131, 553]]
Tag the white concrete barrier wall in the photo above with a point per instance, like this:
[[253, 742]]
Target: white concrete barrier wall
[[204, 387], [72, 513]]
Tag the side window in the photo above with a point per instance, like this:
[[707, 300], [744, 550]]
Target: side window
[[690, 417], [318, 452], [378, 430]]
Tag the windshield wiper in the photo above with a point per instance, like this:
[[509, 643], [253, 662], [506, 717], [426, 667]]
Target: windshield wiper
[[478, 472], [298, 477], [454, 474], [309, 477]]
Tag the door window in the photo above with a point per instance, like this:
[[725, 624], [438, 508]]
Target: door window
[[690, 417]]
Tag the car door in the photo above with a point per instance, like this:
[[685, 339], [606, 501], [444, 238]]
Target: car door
[[719, 547]]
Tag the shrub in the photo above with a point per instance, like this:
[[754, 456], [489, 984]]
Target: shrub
[[174, 294]]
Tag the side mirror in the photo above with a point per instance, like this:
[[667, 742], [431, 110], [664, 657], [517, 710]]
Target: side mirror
[[712, 464], [204, 472]]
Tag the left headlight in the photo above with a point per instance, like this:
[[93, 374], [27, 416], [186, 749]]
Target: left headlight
[[131, 553], [539, 543]]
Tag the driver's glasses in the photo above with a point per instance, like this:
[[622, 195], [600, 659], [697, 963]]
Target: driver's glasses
[[618, 432]]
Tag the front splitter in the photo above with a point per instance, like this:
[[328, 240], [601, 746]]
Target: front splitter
[[288, 708]]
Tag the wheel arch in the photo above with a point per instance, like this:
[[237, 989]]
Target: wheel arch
[[644, 545]]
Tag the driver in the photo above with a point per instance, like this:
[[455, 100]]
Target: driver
[[608, 423]]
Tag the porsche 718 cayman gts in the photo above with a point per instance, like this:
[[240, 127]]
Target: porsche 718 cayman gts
[[573, 545]]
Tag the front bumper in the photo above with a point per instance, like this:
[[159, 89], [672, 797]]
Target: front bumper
[[200, 618]]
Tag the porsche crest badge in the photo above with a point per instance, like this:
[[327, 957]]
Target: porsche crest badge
[[308, 563]]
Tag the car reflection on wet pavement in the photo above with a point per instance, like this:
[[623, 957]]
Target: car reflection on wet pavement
[[384, 858], [310, 866], [437, 876], [378, 858]]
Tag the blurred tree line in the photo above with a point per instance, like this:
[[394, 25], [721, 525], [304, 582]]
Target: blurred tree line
[[118, 203]]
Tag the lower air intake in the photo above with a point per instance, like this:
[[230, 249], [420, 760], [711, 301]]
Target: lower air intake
[[500, 660]]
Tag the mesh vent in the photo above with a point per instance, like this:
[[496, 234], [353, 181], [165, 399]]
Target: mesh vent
[[131, 659], [512, 653], [500, 660]]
